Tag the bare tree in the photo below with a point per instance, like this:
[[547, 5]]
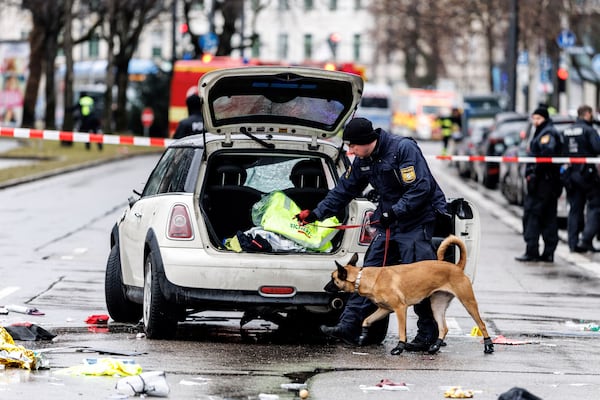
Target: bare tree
[[48, 19], [125, 21]]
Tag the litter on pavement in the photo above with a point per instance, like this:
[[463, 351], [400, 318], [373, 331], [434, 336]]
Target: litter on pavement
[[104, 367], [456, 392], [385, 384], [517, 393], [12, 355], [23, 309], [152, 383], [28, 331], [99, 319], [502, 340]]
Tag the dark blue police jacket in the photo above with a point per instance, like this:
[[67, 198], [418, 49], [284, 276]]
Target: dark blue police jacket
[[399, 172]]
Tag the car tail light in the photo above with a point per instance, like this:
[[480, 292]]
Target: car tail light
[[180, 226], [367, 232], [277, 291]]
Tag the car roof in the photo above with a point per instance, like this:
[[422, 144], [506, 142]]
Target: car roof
[[296, 101]]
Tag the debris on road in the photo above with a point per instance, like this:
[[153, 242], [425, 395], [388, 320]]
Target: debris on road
[[104, 367], [456, 392], [385, 384], [12, 355], [23, 309], [152, 383], [502, 340], [28, 331]]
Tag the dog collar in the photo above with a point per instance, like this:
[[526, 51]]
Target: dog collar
[[357, 283]]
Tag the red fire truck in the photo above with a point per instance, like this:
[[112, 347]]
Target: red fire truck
[[187, 73]]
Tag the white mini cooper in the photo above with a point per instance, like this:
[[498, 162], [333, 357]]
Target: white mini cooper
[[191, 243]]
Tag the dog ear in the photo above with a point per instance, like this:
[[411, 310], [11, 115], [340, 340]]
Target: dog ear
[[353, 260], [342, 273]]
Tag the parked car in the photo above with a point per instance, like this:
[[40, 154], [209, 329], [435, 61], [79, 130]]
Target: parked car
[[506, 130], [468, 145], [512, 175], [187, 244]]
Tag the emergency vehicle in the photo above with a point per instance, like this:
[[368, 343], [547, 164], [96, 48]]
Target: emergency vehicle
[[187, 73]]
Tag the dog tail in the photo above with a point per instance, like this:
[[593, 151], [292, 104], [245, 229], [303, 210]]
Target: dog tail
[[451, 239]]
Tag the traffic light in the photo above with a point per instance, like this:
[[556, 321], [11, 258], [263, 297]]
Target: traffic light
[[333, 41], [562, 74]]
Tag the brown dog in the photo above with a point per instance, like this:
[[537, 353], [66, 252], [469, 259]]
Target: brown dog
[[395, 288]]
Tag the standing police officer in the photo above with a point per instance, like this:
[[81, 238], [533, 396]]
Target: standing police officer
[[543, 189], [194, 123], [582, 181], [410, 200]]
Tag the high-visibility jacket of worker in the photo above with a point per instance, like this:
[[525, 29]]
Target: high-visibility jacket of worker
[[86, 104]]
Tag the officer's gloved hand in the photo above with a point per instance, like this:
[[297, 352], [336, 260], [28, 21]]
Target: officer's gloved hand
[[306, 217], [388, 217]]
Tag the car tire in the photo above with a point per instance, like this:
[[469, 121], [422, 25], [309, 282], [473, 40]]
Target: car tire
[[158, 317], [119, 307]]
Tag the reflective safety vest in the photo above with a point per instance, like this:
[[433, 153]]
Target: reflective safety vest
[[447, 125], [86, 103], [276, 212]]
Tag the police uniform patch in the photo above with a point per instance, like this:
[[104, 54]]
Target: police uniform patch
[[545, 139], [408, 174]]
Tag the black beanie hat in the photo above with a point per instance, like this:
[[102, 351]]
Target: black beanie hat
[[359, 131], [541, 111]]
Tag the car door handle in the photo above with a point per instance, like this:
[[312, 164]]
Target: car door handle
[[137, 214]]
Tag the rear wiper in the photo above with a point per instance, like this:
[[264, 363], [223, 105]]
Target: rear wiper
[[257, 140]]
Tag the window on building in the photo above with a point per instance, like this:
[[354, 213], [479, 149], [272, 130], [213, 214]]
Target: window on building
[[94, 46], [256, 47], [283, 5], [309, 5], [356, 46], [333, 5], [308, 46], [156, 38], [282, 46]]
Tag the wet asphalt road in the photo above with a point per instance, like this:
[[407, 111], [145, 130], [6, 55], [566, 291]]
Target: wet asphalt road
[[54, 244]]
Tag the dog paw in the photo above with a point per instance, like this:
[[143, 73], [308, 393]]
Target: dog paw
[[488, 346], [435, 347], [398, 349]]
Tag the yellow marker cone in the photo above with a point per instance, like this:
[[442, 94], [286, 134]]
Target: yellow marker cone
[[476, 331]]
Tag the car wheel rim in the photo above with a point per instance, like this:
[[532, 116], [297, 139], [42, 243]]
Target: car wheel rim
[[147, 292]]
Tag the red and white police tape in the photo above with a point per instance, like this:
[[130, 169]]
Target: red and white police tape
[[25, 133], [538, 160]]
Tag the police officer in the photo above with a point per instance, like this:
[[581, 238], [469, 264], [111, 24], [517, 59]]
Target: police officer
[[582, 181], [409, 202], [194, 123], [449, 125], [543, 189], [88, 120]]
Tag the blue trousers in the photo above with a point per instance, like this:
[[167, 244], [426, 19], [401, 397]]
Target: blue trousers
[[592, 219], [575, 220], [403, 248]]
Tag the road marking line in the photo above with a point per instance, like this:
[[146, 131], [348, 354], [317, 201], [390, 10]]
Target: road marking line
[[453, 327], [7, 291]]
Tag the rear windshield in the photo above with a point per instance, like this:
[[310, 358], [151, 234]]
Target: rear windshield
[[289, 98]]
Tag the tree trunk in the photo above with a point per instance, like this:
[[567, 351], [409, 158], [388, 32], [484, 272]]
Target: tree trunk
[[51, 51], [68, 102], [36, 40]]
